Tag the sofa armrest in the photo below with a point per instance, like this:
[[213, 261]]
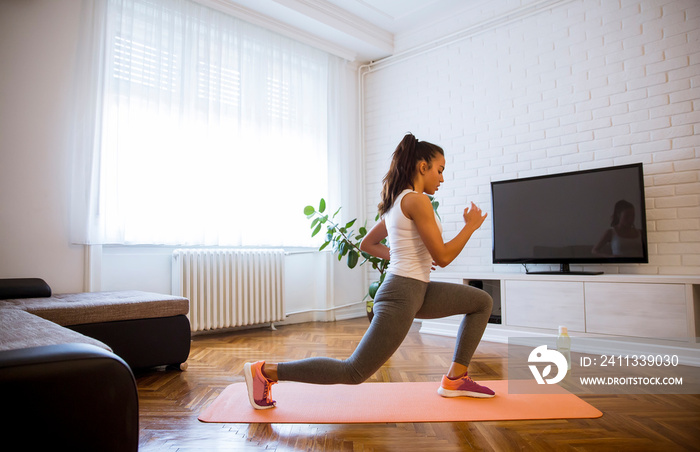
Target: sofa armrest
[[83, 398], [23, 288]]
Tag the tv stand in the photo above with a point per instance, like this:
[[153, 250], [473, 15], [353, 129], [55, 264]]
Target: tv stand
[[664, 307], [564, 270]]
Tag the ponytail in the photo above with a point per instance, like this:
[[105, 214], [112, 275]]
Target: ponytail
[[408, 153]]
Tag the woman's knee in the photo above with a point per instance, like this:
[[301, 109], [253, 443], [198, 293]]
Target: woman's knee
[[487, 301], [358, 379], [357, 376], [479, 297]]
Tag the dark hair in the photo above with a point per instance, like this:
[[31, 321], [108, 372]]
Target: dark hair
[[620, 207], [408, 153]]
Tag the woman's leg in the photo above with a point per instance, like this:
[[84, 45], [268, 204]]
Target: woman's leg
[[444, 300], [395, 306]]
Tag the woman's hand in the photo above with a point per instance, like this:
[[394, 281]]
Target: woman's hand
[[474, 217], [419, 209]]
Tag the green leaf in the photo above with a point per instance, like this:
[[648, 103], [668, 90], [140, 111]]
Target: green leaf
[[373, 288], [336, 212], [309, 211], [325, 244], [350, 223], [316, 231], [314, 223], [435, 204], [352, 258], [322, 206], [363, 231]]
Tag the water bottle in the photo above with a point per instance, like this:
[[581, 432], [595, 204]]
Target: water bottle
[[564, 345]]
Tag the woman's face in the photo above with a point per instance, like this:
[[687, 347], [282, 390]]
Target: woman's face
[[433, 175]]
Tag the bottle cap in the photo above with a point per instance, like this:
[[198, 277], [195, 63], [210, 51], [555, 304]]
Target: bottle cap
[[563, 330]]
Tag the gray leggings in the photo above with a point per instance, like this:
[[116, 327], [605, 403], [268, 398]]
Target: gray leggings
[[398, 301]]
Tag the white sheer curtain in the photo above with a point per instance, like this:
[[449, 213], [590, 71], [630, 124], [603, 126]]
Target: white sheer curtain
[[196, 128]]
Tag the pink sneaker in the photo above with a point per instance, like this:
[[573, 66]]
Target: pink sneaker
[[463, 387], [258, 386]]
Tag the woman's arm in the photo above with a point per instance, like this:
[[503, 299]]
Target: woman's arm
[[372, 242], [418, 208]]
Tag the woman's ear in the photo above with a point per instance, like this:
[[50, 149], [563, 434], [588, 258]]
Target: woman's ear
[[422, 166]]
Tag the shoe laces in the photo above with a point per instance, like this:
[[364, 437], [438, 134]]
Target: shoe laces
[[467, 379], [463, 377], [267, 393]]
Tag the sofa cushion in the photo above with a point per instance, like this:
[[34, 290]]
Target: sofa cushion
[[95, 307], [20, 329]]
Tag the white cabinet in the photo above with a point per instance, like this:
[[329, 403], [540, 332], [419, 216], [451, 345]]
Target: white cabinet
[[545, 304], [632, 309], [636, 306]]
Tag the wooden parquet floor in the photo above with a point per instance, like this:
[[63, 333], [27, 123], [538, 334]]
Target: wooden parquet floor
[[170, 401]]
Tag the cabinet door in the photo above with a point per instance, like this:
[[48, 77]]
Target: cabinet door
[[545, 304], [644, 310]]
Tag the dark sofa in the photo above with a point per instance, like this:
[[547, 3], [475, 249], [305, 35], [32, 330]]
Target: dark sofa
[[67, 362], [68, 396]]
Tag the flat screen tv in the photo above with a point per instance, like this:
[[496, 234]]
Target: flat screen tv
[[584, 217]]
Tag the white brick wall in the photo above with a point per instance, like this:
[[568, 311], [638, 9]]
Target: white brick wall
[[585, 84]]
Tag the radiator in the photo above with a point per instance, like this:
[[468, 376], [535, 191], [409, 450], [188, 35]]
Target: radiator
[[230, 287]]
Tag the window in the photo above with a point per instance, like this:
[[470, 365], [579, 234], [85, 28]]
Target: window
[[209, 130]]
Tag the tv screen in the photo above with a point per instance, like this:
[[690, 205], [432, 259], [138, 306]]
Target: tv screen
[[585, 217]]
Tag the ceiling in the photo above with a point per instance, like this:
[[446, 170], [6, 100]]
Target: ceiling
[[361, 30]]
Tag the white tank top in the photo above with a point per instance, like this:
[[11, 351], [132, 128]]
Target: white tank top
[[408, 255], [626, 246]]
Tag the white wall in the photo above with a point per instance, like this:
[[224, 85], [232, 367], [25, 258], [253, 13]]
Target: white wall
[[585, 84], [38, 42]]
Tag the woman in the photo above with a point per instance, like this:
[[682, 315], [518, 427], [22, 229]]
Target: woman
[[414, 232], [623, 239]]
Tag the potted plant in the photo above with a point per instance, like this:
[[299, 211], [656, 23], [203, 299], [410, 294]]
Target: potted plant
[[345, 243]]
